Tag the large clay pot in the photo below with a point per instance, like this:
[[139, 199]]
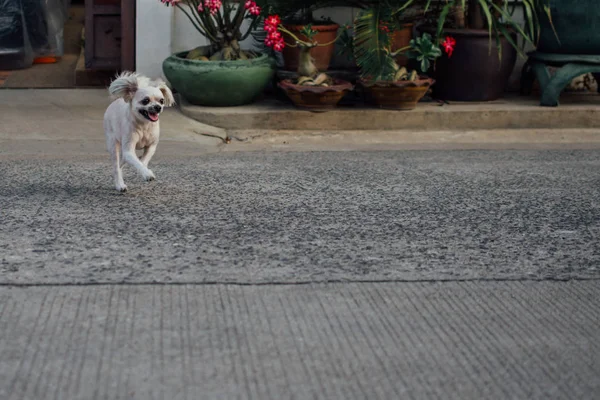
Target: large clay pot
[[474, 72], [400, 39], [577, 25], [219, 83], [321, 54]]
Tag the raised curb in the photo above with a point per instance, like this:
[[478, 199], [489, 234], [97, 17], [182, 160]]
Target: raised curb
[[576, 112]]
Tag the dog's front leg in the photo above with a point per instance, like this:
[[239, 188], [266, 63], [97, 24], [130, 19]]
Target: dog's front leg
[[148, 153], [131, 158]]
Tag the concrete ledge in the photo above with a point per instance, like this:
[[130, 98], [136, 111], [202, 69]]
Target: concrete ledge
[[576, 111]]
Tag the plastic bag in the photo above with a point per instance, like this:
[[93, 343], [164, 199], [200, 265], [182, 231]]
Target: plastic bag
[[29, 29]]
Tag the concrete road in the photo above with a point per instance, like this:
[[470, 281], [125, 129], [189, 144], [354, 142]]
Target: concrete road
[[452, 340], [249, 273]]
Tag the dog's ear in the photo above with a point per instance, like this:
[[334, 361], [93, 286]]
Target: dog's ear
[[168, 95], [124, 86]]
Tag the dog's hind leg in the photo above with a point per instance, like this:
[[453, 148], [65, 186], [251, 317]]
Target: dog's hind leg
[[131, 158], [115, 157]]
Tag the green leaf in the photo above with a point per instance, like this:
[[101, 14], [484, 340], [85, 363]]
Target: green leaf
[[515, 26], [490, 20], [372, 45], [529, 17], [509, 38], [549, 14], [442, 18]]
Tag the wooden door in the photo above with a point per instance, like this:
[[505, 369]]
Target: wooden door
[[110, 34]]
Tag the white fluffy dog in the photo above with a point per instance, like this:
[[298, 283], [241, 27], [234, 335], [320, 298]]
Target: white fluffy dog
[[131, 122]]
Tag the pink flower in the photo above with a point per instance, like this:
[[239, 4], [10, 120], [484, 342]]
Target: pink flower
[[448, 45], [279, 46], [170, 2], [212, 6], [249, 4]]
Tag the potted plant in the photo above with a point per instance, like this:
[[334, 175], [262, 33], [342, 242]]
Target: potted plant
[[486, 48], [297, 17], [402, 28], [311, 88], [221, 73], [386, 83]]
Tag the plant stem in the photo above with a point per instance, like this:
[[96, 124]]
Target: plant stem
[[239, 17], [221, 21], [296, 38], [208, 28], [333, 41], [306, 66], [198, 28], [460, 17], [397, 52]]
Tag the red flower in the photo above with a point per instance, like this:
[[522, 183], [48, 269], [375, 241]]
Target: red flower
[[252, 7], [272, 22], [254, 10], [448, 45], [383, 27], [274, 38]]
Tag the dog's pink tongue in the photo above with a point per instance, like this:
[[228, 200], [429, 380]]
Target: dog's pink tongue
[[153, 116]]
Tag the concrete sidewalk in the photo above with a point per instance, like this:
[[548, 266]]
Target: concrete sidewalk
[[46, 122], [495, 340]]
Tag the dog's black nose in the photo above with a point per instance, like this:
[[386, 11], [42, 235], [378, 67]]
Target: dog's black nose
[[157, 109]]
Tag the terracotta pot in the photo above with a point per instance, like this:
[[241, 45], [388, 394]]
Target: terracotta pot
[[322, 54], [401, 38], [400, 95], [316, 97]]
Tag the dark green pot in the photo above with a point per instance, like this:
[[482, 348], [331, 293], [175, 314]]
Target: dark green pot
[[219, 83], [577, 24]]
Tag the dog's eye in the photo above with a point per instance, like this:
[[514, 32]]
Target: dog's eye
[[145, 101], [162, 101]]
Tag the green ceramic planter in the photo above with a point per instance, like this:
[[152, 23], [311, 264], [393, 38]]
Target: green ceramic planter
[[219, 83], [577, 24]]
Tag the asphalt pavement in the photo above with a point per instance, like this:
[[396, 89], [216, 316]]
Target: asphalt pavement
[[273, 217]]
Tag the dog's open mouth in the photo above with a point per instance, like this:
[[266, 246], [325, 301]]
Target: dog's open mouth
[[150, 115]]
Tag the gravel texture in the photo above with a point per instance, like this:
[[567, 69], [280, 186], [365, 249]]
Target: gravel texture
[[304, 217]]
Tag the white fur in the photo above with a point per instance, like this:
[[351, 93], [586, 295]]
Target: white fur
[[127, 125]]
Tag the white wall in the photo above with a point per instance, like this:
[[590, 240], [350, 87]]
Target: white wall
[[162, 31], [154, 24]]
